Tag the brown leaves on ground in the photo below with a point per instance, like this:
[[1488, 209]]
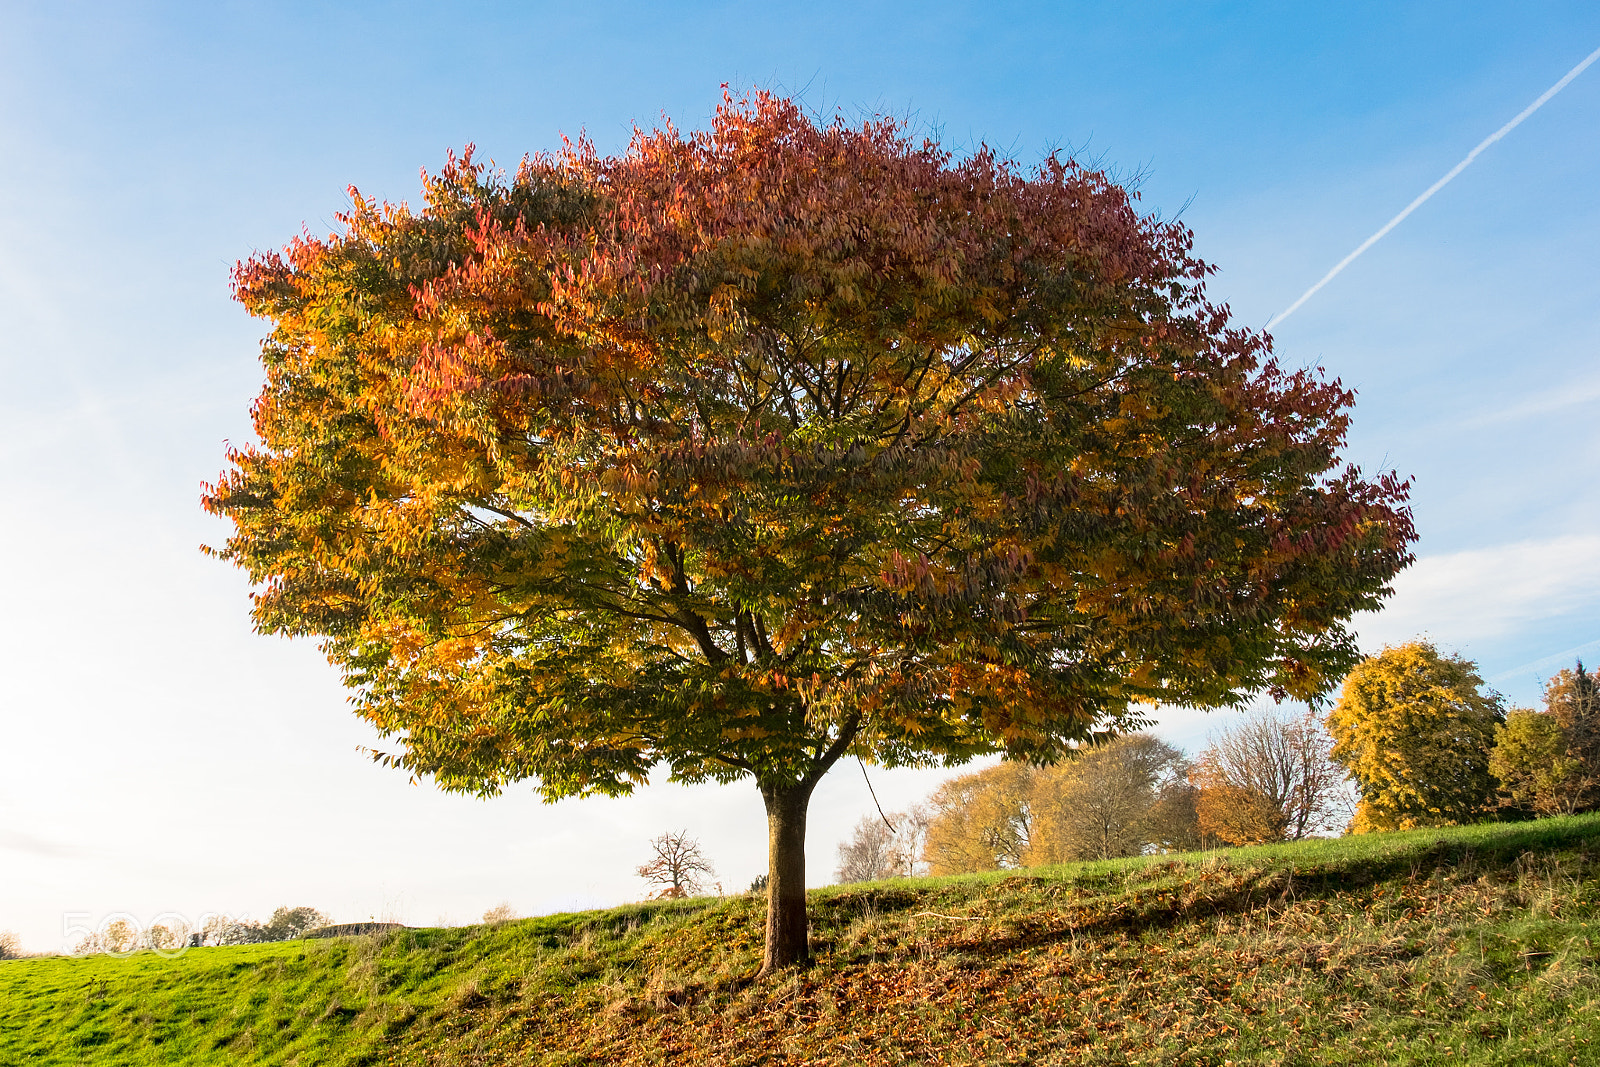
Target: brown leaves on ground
[[1170, 964]]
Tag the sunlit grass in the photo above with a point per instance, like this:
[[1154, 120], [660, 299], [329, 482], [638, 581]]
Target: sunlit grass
[[1469, 945]]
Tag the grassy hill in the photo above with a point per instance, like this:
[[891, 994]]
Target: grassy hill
[[1471, 945]]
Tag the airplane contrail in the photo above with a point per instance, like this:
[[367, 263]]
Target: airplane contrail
[[1436, 186]]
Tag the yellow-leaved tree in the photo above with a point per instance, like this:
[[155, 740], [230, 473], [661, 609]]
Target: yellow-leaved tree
[[1119, 797], [1415, 730], [1531, 761], [981, 821]]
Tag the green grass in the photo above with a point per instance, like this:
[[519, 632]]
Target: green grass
[[1469, 945]]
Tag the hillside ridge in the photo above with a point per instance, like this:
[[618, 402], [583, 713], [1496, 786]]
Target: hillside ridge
[[1469, 945]]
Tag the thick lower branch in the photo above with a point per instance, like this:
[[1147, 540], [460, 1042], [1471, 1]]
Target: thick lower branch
[[829, 756]]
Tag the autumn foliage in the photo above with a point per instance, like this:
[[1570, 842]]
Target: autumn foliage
[[1270, 778], [1122, 797], [1415, 731], [1548, 762], [749, 448]]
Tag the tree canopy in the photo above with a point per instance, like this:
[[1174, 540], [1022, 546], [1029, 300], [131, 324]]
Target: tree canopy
[[1105, 802], [1549, 762], [1120, 797], [1572, 698], [748, 448], [1530, 760], [1414, 730], [981, 821]]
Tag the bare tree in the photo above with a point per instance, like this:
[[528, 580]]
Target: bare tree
[[10, 945], [226, 930], [678, 866], [884, 846], [1173, 824], [502, 912], [1271, 778]]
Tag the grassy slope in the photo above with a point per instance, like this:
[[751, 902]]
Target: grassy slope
[[1470, 945]]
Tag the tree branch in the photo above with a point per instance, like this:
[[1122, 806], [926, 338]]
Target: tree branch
[[830, 756], [513, 516]]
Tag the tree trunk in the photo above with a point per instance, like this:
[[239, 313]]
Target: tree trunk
[[788, 944]]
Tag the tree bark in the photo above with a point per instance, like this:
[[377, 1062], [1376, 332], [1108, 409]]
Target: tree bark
[[788, 942]]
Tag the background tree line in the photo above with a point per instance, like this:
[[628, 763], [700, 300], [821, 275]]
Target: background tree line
[[122, 936], [1267, 779], [1413, 740], [1426, 745]]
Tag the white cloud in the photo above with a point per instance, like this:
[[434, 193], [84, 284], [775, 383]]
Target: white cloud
[[1485, 597], [1485, 593], [1572, 394], [17, 841]]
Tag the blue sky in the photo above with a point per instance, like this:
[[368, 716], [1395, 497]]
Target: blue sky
[[159, 756]]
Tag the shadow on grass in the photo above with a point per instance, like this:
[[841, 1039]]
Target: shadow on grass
[[1170, 890]]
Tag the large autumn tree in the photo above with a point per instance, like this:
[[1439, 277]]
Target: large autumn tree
[[752, 448]]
